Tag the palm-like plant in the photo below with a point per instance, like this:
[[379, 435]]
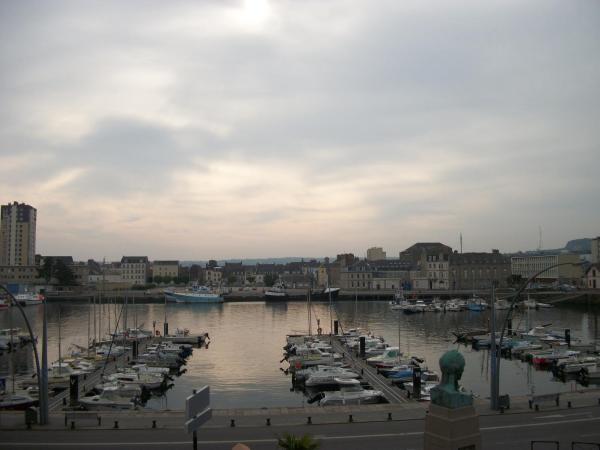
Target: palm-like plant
[[291, 442]]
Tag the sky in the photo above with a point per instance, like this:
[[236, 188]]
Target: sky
[[223, 129]]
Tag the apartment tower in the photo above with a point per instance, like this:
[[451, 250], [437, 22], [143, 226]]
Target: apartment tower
[[17, 234]]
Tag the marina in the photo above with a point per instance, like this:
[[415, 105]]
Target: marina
[[241, 361]]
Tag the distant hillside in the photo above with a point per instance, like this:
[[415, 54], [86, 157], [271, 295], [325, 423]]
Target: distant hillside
[[583, 245], [254, 261]]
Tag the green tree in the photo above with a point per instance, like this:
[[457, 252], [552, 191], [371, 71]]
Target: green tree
[[250, 279], [270, 279], [63, 274], [291, 442], [231, 279], [158, 279], [45, 271]]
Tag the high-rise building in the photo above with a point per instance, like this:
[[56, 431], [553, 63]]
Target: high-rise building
[[596, 250], [375, 254], [17, 235]]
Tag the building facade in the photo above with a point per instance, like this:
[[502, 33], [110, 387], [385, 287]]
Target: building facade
[[477, 270], [17, 234], [135, 269], [596, 250], [164, 269], [527, 265], [592, 277], [375, 254]]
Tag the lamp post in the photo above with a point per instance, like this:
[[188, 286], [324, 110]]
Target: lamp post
[[41, 371], [495, 379]]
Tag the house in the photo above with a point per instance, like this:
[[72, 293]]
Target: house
[[592, 277]]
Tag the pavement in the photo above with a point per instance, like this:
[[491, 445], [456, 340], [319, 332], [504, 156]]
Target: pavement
[[370, 427]]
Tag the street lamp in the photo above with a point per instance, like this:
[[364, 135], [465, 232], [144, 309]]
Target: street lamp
[[41, 372], [495, 378]]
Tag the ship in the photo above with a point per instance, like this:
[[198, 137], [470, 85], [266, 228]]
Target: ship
[[196, 294], [324, 294]]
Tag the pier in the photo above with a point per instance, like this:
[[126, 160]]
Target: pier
[[368, 373]]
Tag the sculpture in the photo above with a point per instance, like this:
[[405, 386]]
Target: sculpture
[[447, 394]]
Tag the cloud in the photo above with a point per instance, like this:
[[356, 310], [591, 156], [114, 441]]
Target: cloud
[[219, 129]]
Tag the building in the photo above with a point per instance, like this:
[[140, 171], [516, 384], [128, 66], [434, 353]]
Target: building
[[413, 255], [592, 277], [135, 269], [214, 275], [19, 274], [477, 270], [527, 265], [358, 276], [596, 250], [17, 234], [165, 269], [375, 254]]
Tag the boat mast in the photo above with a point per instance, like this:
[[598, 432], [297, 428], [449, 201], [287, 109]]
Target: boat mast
[[94, 314], [59, 344], [89, 318], [12, 345]]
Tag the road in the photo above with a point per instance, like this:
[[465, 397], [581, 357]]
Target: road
[[510, 431]]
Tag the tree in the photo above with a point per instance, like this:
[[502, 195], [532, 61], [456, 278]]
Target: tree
[[270, 279], [291, 442], [45, 271], [231, 279], [250, 279], [158, 279], [63, 274]]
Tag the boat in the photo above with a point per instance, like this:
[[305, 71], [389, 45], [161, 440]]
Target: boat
[[389, 357], [195, 294], [323, 294], [452, 306], [332, 381], [3, 304], [29, 298], [351, 395], [16, 401], [476, 304], [501, 304], [121, 389], [144, 380], [108, 400], [277, 293], [304, 374], [306, 357]]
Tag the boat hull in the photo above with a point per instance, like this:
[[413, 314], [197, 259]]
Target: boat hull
[[194, 298]]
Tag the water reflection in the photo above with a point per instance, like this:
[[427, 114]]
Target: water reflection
[[242, 362]]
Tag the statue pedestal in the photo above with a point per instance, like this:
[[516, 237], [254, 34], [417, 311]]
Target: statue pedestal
[[452, 429]]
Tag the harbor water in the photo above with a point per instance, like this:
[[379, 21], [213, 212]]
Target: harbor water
[[242, 362]]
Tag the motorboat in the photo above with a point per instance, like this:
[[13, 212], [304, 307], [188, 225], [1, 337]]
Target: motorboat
[[29, 298], [141, 368], [194, 294], [476, 304], [390, 356], [121, 389], [303, 374], [501, 304], [143, 380], [452, 306], [15, 401], [108, 400], [351, 395], [331, 381], [307, 356], [276, 293]]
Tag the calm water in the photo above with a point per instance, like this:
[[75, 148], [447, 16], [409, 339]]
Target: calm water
[[242, 366]]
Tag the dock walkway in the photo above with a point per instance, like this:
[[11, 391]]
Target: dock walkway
[[391, 393]]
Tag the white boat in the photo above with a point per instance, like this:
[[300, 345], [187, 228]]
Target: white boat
[[144, 380], [389, 357], [29, 298], [16, 401], [501, 304], [195, 294], [276, 293], [329, 377], [452, 306], [303, 374], [352, 395], [108, 400], [306, 357], [145, 368], [121, 389]]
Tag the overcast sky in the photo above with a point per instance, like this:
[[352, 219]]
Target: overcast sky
[[217, 129]]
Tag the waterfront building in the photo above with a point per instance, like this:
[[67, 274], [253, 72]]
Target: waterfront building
[[322, 276], [595, 250], [135, 270], [295, 280], [165, 269], [19, 274], [375, 254], [414, 254], [106, 274], [526, 265], [358, 276], [477, 270], [214, 275], [17, 234], [592, 276]]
